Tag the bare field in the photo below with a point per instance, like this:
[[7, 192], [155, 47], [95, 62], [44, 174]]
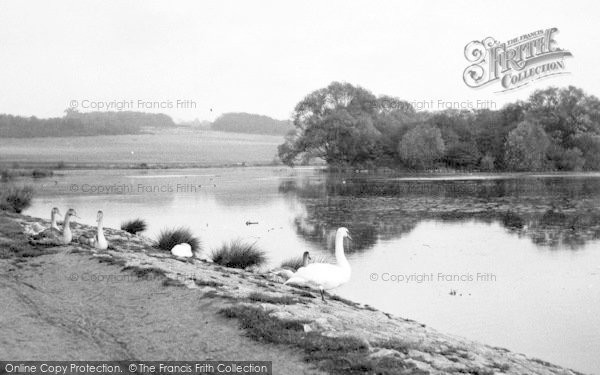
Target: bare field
[[177, 146]]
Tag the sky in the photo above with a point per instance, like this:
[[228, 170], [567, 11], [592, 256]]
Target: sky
[[265, 56]]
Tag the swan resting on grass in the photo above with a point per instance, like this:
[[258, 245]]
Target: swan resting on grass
[[96, 240], [287, 272], [183, 250], [326, 276]]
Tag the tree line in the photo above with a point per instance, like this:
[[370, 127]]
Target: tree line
[[348, 126], [75, 123], [240, 122]]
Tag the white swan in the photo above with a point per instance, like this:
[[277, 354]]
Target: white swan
[[96, 240], [67, 235], [287, 272], [183, 250], [326, 276]]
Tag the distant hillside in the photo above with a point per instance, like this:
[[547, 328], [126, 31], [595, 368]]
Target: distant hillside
[[81, 124], [251, 123]]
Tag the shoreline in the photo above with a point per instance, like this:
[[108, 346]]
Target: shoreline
[[338, 337]]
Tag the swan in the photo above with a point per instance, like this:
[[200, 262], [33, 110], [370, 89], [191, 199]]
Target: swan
[[67, 236], [97, 240], [41, 231], [183, 250], [287, 272], [326, 276], [55, 239]]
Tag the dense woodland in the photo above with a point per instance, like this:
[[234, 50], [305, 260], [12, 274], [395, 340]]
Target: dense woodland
[[347, 126], [75, 123], [251, 123]]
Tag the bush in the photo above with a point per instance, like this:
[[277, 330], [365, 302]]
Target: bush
[[40, 173], [487, 163], [5, 175], [512, 220], [134, 226], [238, 254], [16, 199], [168, 238]]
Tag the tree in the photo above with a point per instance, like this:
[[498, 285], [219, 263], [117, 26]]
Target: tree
[[335, 123], [565, 113], [421, 146], [526, 147], [589, 144]]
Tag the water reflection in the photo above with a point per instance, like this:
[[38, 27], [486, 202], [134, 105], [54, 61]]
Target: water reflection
[[552, 212]]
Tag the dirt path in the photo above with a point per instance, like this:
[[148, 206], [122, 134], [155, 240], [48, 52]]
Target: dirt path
[[46, 315]]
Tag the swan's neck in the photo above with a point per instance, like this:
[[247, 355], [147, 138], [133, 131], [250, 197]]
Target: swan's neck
[[67, 235], [340, 257], [100, 230], [53, 220], [305, 260]]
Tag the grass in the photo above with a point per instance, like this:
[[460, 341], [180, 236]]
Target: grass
[[146, 272], [41, 173], [168, 238], [512, 220], [276, 300], [335, 355], [210, 283], [14, 243], [238, 254], [16, 198], [134, 226]]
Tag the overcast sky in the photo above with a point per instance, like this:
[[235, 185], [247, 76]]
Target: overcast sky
[[264, 56]]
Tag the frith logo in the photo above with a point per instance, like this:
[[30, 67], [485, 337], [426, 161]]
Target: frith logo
[[515, 63]]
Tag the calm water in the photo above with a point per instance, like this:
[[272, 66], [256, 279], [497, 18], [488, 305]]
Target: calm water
[[522, 254]]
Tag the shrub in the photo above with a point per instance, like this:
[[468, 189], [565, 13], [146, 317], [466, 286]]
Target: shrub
[[16, 199], [512, 220], [5, 175], [134, 226], [168, 238], [40, 173], [238, 254]]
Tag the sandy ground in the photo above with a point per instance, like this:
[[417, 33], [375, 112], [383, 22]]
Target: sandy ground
[[46, 315]]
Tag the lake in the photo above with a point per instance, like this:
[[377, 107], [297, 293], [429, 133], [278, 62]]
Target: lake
[[509, 260]]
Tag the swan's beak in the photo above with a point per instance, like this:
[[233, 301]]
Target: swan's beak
[[349, 237], [309, 257], [58, 213]]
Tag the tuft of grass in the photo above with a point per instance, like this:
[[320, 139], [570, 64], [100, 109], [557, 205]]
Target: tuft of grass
[[41, 173], [146, 273], [172, 282], [238, 254], [281, 300], [5, 175], [16, 199], [134, 226], [111, 260], [210, 283], [168, 238], [512, 220]]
